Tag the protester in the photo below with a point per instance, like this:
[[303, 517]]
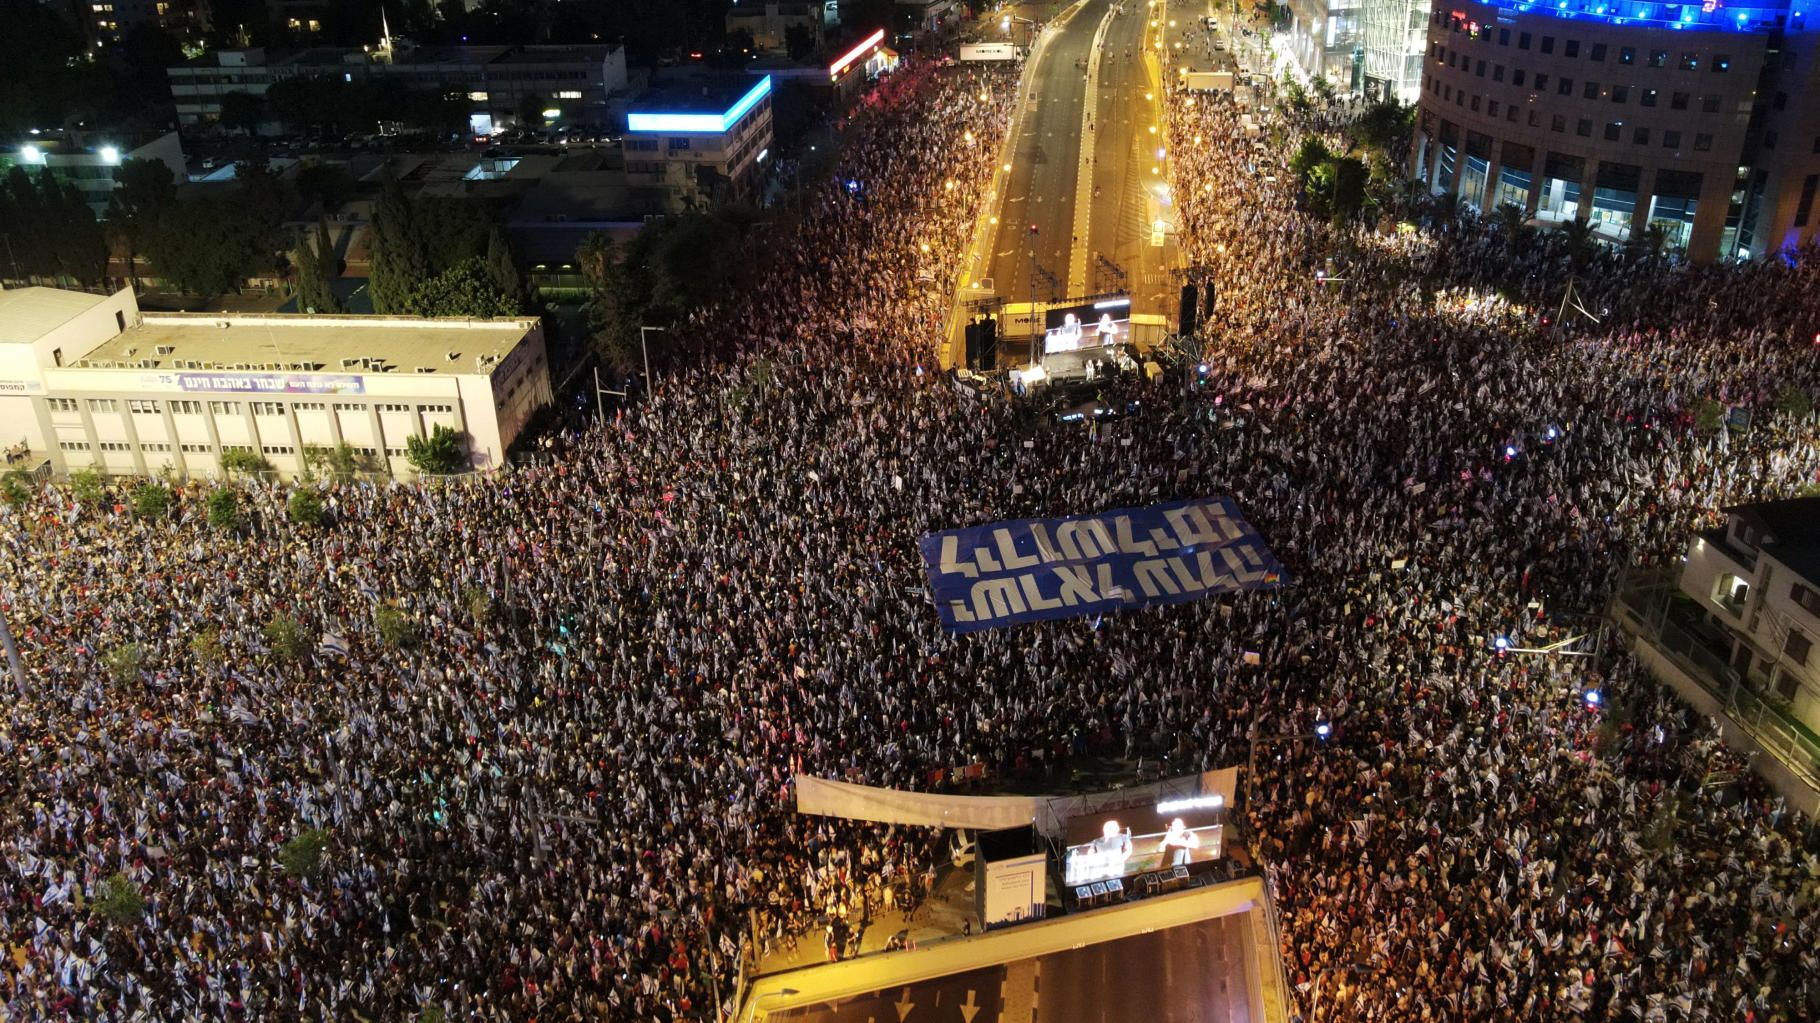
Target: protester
[[567, 797]]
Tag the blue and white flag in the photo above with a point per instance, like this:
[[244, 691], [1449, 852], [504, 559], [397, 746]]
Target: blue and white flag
[[1027, 570], [334, 644]]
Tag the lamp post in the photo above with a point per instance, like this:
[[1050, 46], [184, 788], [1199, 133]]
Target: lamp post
[[644, 345]]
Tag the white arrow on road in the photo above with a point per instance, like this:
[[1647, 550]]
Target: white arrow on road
[[904, 1005], [969, 1008]]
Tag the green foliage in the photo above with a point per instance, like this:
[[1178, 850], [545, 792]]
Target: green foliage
[[305, 508], [1386, 126], [440, 454], [303, 855], [88, 486], [242, 111], [502, 271], [326, 184], [432, 1014], [16, 487], [1311, 154], [317, 266], [396, 629], [1708, 414], [465, 289], [223, 509], [240, 460], [51, 232], [667, 271], [209, 246], [143, 190], [205, 645], [478, 602], [285, 637], [152, 501], [1794, 401], [124, 662], [118, 901]]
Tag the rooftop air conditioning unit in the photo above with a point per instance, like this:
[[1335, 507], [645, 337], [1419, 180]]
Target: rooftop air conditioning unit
[[223, 324], [345, 363]]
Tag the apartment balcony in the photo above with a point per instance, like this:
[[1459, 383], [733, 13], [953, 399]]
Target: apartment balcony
[[1673, 637]]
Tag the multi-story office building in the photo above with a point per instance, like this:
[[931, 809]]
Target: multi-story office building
[[1701, 122], [771, 22], [110, 21], [88, 160], [90, 381], [698, 141], [583, 85]]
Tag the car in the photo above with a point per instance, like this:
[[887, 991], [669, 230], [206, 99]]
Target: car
[[963, 848]]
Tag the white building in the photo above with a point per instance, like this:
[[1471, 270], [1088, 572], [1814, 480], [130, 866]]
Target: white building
[[88, 160], [90, 381], [1734, 633]]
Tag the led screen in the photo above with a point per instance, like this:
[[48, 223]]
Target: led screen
[[1140, 839]]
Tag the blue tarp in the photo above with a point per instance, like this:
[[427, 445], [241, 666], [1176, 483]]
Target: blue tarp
[[1006, 573]]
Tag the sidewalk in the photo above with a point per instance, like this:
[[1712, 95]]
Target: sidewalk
[[939, 919]]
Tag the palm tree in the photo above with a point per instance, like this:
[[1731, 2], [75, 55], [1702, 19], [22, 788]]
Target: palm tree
[[1511, 220], [1578, 234]]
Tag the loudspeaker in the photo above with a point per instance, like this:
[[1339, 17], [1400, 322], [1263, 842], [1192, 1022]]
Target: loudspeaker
[[1207, 300], [1190, 308], [973, 345], [988, 344]]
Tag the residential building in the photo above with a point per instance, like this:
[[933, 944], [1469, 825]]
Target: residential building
[[88, 160], [770, 23], [697, 141], [109, 22], [1693, 127], [582, 85], [1735, 631], [89, 381]]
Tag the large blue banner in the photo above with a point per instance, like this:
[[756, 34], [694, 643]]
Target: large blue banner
[[984, 577]]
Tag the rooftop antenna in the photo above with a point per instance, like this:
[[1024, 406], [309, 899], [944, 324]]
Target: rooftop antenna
[[385, 29]]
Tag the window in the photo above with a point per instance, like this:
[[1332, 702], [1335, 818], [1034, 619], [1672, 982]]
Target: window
[[1677, 101], [1722, 62], [1565, 87], [1573, 48], [1710, 104], [144, 408], [1558, 123], [309, 406], [73, 445], [1516, 76], [102, 405], [1640, 136], [1598, 52], [1548, 44], [1627, 55], [267, 408], [1523, 41], [1612, 130], [1511, 115], [1591, 91], [643, 145], [1802, 211], [1475, 104], [188, 408], [1797, 647], [1533, 119], [195, 449], [1503, 37], [1690, 62], [1804, 598], [1541, 82], [568, 94], [1703, 142], [679, 143], [1492, 109], [1781, 102], [1620, 94], [1649, 97], [1480, 69], [1658, 58], [63, 405], [224, 408], [1584, 128], [1497, 72], [1671, 139], [1769, 139], [113, 445]]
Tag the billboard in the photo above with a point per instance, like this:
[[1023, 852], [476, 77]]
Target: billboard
[[991, 51], [269, 383], [1007, 573], [1088, 325], [1140, 839]]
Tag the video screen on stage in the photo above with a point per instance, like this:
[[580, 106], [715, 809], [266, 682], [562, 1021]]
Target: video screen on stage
[[1088, 325], [1140, 839]]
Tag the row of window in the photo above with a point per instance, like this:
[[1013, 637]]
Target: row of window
[[1583, 127], [227, 408], [1709, 103], [1683, 60]]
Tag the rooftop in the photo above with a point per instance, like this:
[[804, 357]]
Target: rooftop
[[710, 103], [283, 342], [1790, 531], [27, 314], [1749, 16]]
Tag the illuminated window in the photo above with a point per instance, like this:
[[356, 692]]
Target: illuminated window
[[568, 94], [478, 97]]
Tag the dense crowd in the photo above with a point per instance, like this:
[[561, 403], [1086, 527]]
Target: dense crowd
[[567, 795]]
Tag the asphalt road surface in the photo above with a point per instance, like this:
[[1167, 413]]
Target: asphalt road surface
[[1189, 974], [1045, 162], [1119, 254]]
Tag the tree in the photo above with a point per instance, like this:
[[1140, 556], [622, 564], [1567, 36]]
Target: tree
[[1580, 237], [124, 662], [242, 111], [143, 190], [223, 509], [242, 460], [118, 901], [465, 289], [1512, 221], [502, 272], [152, 501], [1709, 415], [530, 111], [395, 627], [16, 487], [1385, 126], [209, 247], [303, 855], [284, 636], [88, 486], [441, 454], [305, 508], [324, 184], [1349, 176], [1794, 401], [205, 645], [316, 267], [400, 264]]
